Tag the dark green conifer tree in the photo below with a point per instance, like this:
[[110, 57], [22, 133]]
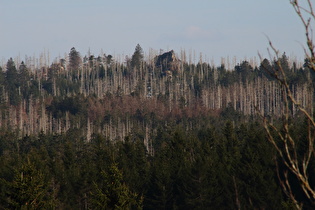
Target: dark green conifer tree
[[137, 57], [113, 193], [74, 59], [29, 188], [12, 82], [24, 80]]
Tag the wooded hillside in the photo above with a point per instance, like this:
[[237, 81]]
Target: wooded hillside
[[101, 94], [153, 131]]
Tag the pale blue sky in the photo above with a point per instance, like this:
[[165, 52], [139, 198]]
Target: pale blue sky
[[216, 28]]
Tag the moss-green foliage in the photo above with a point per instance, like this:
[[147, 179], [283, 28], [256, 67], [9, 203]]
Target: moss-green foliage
[[210, 168], [29, 188], [113, 193]]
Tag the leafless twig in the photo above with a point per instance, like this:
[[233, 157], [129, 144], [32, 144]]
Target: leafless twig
[[282, 139]]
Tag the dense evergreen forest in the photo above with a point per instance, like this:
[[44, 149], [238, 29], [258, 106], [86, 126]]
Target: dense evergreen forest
[[154, 131]]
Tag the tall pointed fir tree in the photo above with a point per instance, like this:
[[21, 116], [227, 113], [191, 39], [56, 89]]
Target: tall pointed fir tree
[[137, 57], [74, 59], [12, 82]]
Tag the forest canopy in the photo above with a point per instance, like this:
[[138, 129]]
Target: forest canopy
[[149, 132]]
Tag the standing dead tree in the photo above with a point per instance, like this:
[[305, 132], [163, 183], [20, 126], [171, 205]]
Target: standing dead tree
[[287, 146]]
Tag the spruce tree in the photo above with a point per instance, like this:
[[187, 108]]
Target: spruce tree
[[74, 59], [137, 57], [29, 188], [12, 82], [113, 193]]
